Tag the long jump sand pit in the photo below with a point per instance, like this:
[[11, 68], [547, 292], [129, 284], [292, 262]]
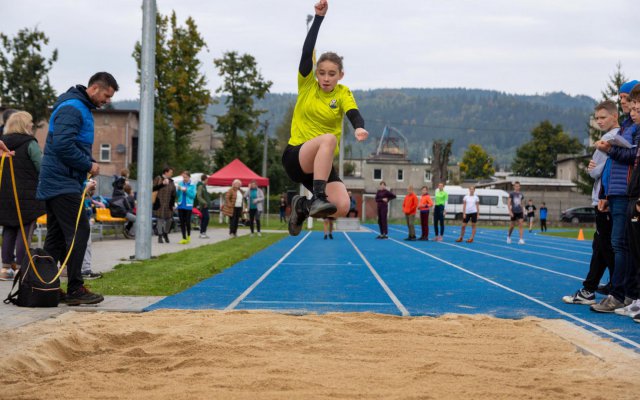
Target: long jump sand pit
[[263, 355]]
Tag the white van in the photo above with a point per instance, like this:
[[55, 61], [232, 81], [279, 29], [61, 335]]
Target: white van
[[493, 203]]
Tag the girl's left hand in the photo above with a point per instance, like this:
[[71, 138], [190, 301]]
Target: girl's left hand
[[361, 134]]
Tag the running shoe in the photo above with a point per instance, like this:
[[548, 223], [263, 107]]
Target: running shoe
[[608, 305], [508, 240], [6, 274], [87, 276], [582, 296], [81, 296], [298, 214], [630, 310], [521, 241], [470, 240], [320, 207], [458, 240]]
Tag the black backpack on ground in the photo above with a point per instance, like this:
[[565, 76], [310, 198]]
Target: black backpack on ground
[[31, 291]]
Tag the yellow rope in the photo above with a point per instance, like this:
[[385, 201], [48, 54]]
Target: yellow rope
[[24, 236]]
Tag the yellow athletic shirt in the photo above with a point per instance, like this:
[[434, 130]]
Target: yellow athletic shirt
[[317, 112]]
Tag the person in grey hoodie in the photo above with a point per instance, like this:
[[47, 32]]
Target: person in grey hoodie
[[602, 256]]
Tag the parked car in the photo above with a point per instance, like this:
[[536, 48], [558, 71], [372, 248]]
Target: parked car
[[579, 214]]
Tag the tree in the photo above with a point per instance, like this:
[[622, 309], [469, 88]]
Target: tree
[[283, 131], [537, 157], [181, 97], [24, 80], [441, 152], [242, 84], [613, 86], [476, 163]]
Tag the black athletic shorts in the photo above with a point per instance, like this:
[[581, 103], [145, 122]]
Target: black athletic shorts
[[517, 216], [472, 216], [291, 164]]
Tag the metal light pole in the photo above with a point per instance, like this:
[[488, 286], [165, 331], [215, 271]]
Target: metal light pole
[[145, 148]]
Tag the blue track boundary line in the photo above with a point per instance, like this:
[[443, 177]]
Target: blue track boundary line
[[539, 302]]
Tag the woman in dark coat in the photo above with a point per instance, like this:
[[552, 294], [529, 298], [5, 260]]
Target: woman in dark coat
[[18, 137]]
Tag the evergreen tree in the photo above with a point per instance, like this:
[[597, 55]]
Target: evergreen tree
[[24, 80], [283, 131], [537, 157], [613, 86], [243, 84], [181, 97], [476, 163]]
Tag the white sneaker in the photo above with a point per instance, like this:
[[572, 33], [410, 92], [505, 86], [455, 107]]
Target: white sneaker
[[251, 234], [631, 310], [521, 241], [203, 236], [508, 240], [259, 234]]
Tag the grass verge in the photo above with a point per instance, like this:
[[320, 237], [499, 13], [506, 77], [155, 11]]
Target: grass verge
[[172, 273]]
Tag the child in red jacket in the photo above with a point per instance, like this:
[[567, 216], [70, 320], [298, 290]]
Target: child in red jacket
[[409, 207], [424, 206]]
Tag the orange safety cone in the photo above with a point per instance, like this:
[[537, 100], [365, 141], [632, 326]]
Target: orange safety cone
[[580, 235]]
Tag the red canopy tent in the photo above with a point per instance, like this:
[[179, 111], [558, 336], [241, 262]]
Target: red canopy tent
[[236, 170]]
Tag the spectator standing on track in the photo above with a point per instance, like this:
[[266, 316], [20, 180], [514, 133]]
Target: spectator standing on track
[[424, 207], [470, 212], [203, 199], [328, 228], [616, 172], [602, 257], [632, 278], [66, 162], [439, 211], [186, 195], [383, 196], [232, 207], [516, 212], [164, 204], [409, 207], [255, 203], [543, 217], [531, 214], [19, 138]]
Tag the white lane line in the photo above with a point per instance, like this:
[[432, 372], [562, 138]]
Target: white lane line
[[536, 242], [333, 303], [392, 296], [520, 250], [255, 284], [511, 260], [542, 303]]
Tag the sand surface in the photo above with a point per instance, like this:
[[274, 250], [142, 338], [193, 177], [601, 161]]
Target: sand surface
[[261, 355]]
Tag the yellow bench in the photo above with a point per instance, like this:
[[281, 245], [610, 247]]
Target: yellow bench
[[104, 218]]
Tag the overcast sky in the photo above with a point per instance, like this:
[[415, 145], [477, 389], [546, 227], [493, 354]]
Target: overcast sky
[[522, 46]]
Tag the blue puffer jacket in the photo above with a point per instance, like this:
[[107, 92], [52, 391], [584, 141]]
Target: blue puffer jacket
[[622, 160], [67, 152]]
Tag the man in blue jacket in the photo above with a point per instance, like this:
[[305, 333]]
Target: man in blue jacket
[[65, 164]]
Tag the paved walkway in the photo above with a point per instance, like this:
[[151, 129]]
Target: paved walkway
[[107, 253]]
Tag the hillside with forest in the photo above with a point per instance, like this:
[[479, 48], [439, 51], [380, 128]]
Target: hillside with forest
[[500, 122]]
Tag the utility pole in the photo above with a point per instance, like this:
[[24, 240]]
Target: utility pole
[[145, 149]]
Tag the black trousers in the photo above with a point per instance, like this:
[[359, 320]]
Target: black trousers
[[633, 286], [438, 220], [602, 256], [254, 215], [204, 221], [235, 220], [62, 212], [185, 222], [543, 225]]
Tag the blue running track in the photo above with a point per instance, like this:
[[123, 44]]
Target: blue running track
[[357, 273]]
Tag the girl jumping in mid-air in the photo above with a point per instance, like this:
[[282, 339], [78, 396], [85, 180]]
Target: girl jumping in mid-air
[[315, 132]]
